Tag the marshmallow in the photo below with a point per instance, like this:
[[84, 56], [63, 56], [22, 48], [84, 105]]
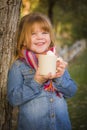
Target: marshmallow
[[50, 53]]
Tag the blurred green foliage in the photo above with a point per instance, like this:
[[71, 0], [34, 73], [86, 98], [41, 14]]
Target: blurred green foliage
[[78, 68], [69, 18], [78, 104]]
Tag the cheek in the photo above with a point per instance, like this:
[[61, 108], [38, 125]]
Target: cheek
[[49, 40]]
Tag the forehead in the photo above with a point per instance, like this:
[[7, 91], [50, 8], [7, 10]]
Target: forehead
[[39, 26]]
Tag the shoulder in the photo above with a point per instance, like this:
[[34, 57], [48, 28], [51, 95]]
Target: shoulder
[[22, 70], [18, 65]]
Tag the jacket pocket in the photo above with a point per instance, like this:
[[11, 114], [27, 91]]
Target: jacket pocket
[[28, 74]]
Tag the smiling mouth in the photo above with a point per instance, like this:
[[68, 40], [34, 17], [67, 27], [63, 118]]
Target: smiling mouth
[[40, 43]]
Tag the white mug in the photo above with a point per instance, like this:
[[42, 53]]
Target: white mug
[[47, 64]]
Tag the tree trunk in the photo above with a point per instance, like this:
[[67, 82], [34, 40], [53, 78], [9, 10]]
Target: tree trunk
[[9, 15], [51, 4]]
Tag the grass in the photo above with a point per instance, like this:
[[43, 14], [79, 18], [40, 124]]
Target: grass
[[78, 104]]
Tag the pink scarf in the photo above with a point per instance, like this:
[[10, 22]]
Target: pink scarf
[[32, 61]]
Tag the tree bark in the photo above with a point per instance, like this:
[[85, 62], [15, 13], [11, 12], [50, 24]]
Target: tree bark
[[9, 16]]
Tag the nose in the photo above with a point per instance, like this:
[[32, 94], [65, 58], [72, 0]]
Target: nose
[[39, 35]]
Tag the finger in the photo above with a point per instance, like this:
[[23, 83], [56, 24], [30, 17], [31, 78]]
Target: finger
[[47, 76], [59, 74], [59, 59], [60, 70], [63, 65]]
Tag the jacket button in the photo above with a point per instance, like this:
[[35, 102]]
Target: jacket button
[[51, 99], [30, 71], [52, 115]]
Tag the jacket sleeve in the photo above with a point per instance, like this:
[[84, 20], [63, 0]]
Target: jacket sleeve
[[17, 92], [65, 85]]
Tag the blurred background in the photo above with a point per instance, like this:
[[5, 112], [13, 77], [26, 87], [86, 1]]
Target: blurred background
[[69, 19]]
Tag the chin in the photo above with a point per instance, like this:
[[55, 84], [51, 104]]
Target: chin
[[40, 51]]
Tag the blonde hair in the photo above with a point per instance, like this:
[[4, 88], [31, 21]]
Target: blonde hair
[[25, 28]]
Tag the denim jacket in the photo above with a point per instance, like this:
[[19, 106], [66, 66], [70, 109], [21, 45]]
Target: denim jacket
[[38, 108]]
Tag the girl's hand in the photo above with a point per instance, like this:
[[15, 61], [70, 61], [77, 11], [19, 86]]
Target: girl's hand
[[61, 66], [41, 78]]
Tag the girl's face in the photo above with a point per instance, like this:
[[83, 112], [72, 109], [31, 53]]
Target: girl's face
[[40, 40]]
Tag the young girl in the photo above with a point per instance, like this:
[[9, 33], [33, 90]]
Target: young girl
[[41, 99]]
